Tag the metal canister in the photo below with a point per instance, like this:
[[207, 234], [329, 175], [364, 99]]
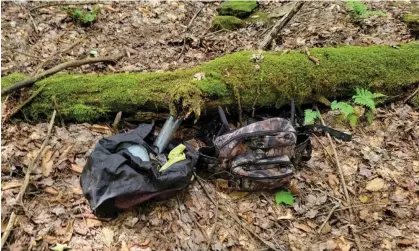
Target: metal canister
[[169, 128]]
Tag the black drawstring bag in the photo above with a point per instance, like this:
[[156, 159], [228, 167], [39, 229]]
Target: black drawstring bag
[[113, 179]]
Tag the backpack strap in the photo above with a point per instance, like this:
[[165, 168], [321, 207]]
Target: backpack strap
[[333, 132], [224, 127]]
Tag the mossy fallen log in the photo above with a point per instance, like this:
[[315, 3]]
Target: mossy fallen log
[[242, 77]]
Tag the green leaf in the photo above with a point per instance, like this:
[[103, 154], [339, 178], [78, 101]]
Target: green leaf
[[60, 247], [365, 98], [345, 108], [310, 116], [370, 116], [284, 197], [89, 18], [353, 120], [76, 14]]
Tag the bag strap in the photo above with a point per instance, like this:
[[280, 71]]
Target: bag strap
[[224, 127], [333, 132]]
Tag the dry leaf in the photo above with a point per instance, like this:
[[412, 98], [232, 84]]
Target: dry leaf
[[288, 215], [101, 129], [76, 168], [11, 184], [326, 229], [293, 187], [77, 190], [238, 195], [303, 227], [343, 245], [145, 244], [107, 236], [363, 198], [3, 226], [387, 244], [47, 163], [406, 242], [124, 246], [93, 223], [51, 190], [375, 185]]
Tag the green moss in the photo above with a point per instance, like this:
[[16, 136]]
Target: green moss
[[92, 96], [11, 78], [227, 23], [258, 17], [237, 8], [412, 21]]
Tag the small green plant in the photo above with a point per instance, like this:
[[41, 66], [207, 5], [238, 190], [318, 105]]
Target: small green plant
[[360, 11], [85, 18], [351, 113], [284, 197], [310, 116]]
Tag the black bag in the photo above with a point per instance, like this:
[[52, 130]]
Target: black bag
[[113, 180]]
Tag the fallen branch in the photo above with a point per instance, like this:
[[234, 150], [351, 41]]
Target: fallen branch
[[34, 164], [411, 95], [9, 228], [186, 30], [234, 216], [328, 217], [20, 106], [345, 188], [41, 65], [31, 80], [279, 25]]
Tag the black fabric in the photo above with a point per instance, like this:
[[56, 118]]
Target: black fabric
[[113, 180]]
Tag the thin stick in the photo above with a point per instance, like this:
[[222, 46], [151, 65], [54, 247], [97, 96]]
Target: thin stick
[[31, 80], [20, 106], [328, 217], [57, 108], [9, 228], [116, 121], [213, 229], [33, 165], [411, 95], [33, 22], [279, 25], [65, 3], [186, 30], [41, 65], [235, 218], [345, 189]]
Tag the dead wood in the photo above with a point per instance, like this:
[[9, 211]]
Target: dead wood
[[31, 80], [33, 165], [279, 25], [9, 228]]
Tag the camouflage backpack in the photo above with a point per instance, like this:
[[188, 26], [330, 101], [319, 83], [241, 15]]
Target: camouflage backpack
[[261, 155]]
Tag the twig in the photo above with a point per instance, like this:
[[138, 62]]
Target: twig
[[328, 217], [214, 227], [186, 30], [35, 26], [57, 108], [33, 165], [411, 95], [9, 228], [278, 26], [41, 65], [65, 3], [20, 106], [345, 189], [31, 80], [27, 54], [116, 121], [235, 218]]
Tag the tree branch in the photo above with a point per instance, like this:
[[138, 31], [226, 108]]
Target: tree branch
[[31, 80]]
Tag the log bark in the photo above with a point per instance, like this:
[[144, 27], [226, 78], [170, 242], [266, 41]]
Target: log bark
[[227, 81]]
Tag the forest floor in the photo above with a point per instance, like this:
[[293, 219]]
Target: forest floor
[[380, 164]]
